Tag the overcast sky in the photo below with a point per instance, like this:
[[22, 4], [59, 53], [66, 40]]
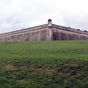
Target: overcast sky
[[19, 14]]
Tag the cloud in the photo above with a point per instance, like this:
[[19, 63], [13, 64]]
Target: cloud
[[19, 14], [76, 22]]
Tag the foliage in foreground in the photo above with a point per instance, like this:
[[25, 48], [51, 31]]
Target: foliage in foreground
[[37, 74]]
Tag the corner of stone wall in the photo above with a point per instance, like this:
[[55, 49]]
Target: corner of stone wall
[[49, 34]]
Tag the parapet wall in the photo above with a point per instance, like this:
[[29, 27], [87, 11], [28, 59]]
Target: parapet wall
[[39, 33], [43, 32], [68, 35]]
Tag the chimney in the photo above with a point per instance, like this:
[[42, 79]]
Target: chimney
[[49, 22]]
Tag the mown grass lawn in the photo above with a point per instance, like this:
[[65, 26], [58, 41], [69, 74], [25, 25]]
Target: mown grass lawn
[[44, 50], [45, 64]]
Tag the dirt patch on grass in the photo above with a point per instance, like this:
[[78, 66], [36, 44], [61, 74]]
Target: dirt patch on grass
[[9, 67]]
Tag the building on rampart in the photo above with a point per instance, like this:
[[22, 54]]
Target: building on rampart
[[45, 32]]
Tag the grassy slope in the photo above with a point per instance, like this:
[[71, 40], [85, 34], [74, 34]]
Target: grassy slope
[[44, 50], [53, 64]]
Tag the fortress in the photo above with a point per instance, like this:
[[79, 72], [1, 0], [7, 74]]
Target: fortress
[[44, 33]]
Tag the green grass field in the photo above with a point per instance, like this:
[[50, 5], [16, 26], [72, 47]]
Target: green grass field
[[44, 50], [46, 64]]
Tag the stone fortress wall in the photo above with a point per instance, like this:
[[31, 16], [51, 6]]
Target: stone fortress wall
[[44, 33]]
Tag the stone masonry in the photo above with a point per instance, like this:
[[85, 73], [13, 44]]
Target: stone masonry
[[45, 32]]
